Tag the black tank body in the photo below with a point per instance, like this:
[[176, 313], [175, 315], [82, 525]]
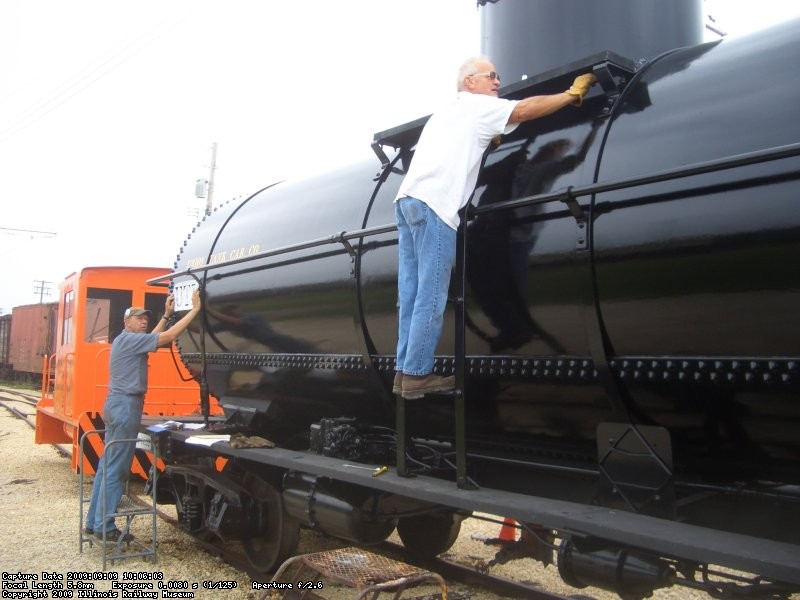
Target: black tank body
[[664, 295]]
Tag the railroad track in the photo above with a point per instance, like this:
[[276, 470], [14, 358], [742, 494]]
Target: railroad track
[[22, 404], [12, 399], [449, 570]]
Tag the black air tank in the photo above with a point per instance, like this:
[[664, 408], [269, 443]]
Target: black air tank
[[527, 37]]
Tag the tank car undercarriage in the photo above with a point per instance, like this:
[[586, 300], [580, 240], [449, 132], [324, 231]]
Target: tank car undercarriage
[[262, 496]]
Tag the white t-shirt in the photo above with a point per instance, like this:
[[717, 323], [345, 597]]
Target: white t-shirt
[[445, 166]]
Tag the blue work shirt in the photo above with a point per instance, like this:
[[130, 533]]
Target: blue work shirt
[[128, 363]]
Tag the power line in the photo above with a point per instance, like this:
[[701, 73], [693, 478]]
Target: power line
[[31, 232], [80, 82]]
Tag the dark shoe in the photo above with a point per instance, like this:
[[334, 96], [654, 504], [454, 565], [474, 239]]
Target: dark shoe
[[397, 386], [414, 387], [88, 530], [114, 535]]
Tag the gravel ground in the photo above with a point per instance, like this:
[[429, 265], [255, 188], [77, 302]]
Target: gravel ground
[[39, 533]]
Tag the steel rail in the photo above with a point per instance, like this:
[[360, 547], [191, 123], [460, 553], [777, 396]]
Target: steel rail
[[4, 395]]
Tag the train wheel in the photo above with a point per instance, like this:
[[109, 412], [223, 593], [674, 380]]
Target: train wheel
[[279, 541], [426, 536]]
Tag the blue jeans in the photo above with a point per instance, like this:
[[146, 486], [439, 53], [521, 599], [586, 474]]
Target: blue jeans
[[122, 415], [427, 252]]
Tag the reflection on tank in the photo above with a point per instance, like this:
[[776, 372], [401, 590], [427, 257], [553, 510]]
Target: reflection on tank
[[235, 330], [500, 242], [252, 326]]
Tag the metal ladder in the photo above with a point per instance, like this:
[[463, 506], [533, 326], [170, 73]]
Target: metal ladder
[[459, 393], [128, 509]]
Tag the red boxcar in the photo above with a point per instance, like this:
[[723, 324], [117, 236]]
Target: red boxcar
[[32, 337], [5, 336]]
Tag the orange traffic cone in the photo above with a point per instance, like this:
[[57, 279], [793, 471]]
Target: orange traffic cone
[[508, 532]]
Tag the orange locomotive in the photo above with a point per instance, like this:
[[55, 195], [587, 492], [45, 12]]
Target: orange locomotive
[[75, 377]]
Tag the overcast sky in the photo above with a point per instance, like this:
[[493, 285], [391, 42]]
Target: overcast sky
[[108, 110]]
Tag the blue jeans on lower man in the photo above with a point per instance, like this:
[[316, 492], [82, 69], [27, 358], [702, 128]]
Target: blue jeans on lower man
[[122, 414], [427, 247]]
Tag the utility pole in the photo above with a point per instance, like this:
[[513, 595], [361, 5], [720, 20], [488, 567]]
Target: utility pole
[[213, 168], [204, 188], [41, 289]]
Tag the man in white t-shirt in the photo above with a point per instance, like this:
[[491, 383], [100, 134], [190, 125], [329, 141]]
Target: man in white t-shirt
[[439, 182]]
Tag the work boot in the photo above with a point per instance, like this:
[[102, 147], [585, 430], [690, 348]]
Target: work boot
[[114, 535], [397, 386], [414, 387]]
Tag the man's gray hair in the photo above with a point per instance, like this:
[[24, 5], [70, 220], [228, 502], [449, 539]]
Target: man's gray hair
[[469, 67]]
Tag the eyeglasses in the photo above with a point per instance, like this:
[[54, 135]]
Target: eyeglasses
[[490, 74]]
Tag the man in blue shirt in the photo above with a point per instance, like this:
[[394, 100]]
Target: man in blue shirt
[[122, 411]]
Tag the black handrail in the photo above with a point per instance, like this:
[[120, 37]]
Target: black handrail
[[336, 238], [568, 194], [721, 164]]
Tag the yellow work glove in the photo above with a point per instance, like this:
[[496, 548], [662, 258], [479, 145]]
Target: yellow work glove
[[580, 87]]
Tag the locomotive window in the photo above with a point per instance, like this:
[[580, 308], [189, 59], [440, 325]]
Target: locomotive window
[[96, 323], [103, 317], [68, 328], [155, 304]]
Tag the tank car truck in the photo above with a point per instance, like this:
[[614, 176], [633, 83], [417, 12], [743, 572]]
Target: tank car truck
[[623, 324]]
